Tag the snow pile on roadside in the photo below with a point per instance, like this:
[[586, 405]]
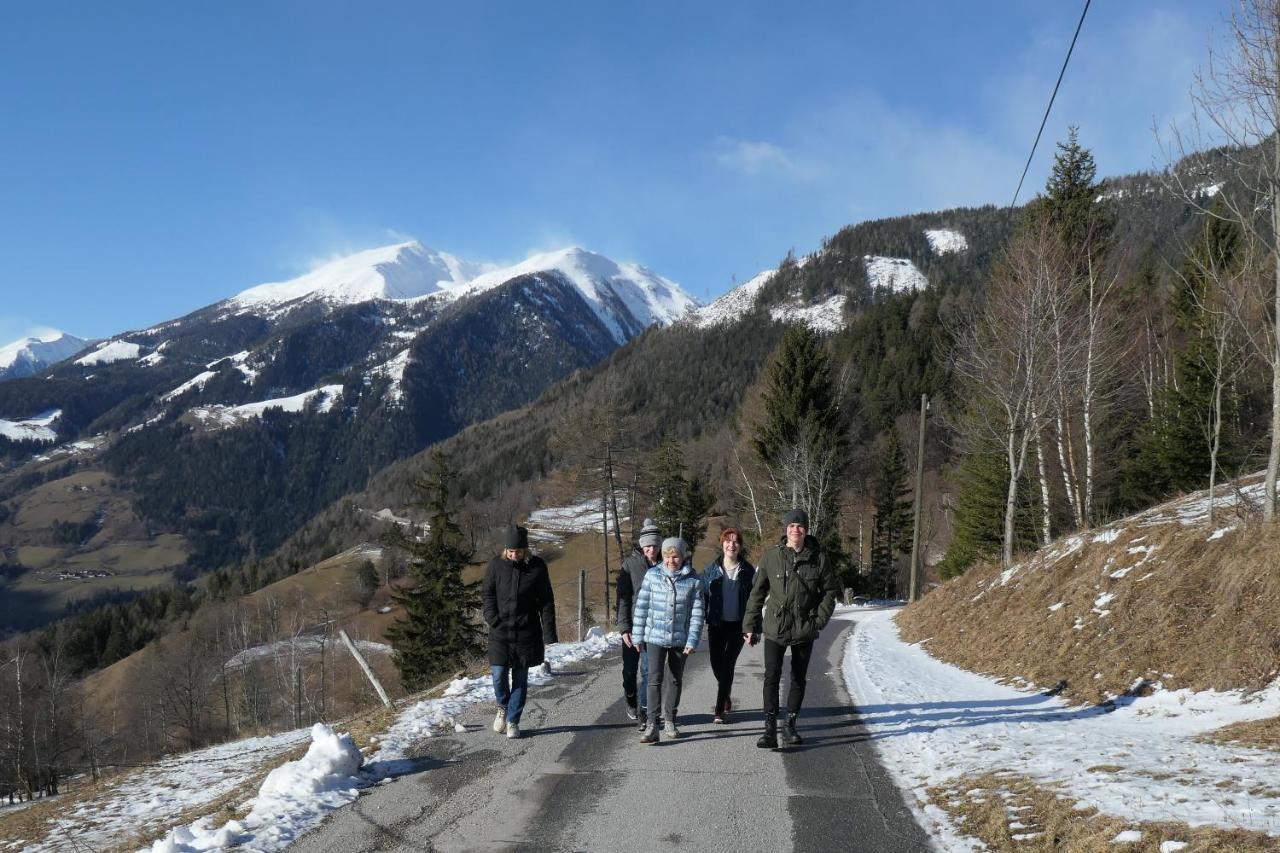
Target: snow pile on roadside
[[934, 723], [293, 798], [145, 802], [431, 717]]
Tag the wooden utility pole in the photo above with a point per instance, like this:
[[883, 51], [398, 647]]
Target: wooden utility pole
[[604, 517], [582, 605], [364, 665], [915, 530]]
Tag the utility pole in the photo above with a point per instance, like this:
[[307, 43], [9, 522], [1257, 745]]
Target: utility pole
[[604, 517], [582, 605], [915, 530]]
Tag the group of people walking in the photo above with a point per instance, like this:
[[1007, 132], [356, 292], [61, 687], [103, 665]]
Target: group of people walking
[[664, 609]]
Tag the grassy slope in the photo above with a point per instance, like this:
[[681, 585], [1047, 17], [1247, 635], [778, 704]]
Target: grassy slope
[[1186, 608]]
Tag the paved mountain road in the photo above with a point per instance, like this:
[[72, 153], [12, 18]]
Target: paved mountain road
[[580, 779]]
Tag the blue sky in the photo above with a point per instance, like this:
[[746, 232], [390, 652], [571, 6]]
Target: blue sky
[[157, 157]]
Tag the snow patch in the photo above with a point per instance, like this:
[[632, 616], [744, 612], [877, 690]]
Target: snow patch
[[228, 416], [945, 241], [824, 316], [198, 381], [731, 306], [111, 351], [894, 274], [39, 428]]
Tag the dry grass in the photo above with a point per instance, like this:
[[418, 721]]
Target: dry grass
[[1260, 734], [1190, 612], [1009, 812]]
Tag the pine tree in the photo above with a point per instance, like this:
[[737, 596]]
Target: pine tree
[[800, 440], [1071, 198], [981, 484], [1171, 452], [891, 529], [680, 502], [439, 631]]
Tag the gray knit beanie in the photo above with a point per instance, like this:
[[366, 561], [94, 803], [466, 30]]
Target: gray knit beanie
[[675, 543], [649, 533]]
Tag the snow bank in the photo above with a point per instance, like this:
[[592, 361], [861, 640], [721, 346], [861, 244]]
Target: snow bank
[[933, 723], [292, 799]]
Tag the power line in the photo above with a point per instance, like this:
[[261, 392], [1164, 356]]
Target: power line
[[1045, 120]]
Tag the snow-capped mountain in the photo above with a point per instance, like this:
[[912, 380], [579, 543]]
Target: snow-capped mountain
[[627, 298], [403, 271], [30, 355]]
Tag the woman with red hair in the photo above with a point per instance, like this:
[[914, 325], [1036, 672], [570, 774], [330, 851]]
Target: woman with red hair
[[727, 583]]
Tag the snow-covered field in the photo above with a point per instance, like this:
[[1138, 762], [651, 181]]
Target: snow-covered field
[[227, 416], [934, 723], [111, 351], [39, 428], [944, 241], [295, 796], [894, 274], [824, 316]]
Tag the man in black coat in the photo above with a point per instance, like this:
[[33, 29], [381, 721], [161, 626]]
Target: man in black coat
[[630, 577], [796, 588], [520, 609]]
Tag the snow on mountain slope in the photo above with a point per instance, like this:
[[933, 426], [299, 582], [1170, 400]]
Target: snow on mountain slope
[[607, 285], [824, 316], [228, 416], [109, 352], [26, 356], [944, 240], [39, 428], [733, 304], [403, 271], [896, 274]]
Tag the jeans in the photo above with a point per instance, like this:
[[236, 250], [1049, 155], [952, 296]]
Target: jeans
[[510, 688], [724, 642], [800, 654], [633, 660], [662, 658]]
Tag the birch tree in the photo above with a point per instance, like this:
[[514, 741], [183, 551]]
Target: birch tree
[[1004, 354], [1237, 101]]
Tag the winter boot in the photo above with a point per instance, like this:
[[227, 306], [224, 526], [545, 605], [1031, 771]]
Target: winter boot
[[769, 740], [790, 737], [650, 735], [642, 719]]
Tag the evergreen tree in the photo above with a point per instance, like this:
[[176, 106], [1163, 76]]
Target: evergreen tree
[[1071, 199], [439, 631], [981, 486], [891, 529], [800, 439], [680, 502], [1171, 449]]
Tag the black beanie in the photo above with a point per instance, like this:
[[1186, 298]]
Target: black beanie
[[797, 516], [515, 536]]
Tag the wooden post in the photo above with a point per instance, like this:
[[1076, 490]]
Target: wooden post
[[297, 697], [915, 529], [582, 605], [368, 671], [604, 515]]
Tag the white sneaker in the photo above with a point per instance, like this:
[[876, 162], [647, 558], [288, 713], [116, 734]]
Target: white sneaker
[[513, 731], [670, 731], [500, 721]]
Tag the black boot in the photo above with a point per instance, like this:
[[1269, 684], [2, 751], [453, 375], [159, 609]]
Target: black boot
[[790, 737], [769, 740], [642, 719]]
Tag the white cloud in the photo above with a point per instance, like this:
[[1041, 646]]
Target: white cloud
[[755, 157]]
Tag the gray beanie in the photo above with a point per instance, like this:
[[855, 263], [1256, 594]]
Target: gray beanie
[[649, 533], [675, 543], [797, 516]]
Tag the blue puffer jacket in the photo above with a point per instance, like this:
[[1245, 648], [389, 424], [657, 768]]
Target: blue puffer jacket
[[668, 610]]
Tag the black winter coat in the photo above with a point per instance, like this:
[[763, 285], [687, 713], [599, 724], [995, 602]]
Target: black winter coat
[[630, 579], [520, 609], [800, 592]]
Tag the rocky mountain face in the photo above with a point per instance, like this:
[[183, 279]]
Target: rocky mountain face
[[32, 354]]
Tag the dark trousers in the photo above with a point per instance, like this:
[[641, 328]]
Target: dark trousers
[[800, 654], [662, 658], [724, 641], [635, 662]]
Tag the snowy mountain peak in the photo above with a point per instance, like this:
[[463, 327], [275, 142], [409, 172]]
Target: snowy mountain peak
[[29, 355], [627, 297], [403, 271]]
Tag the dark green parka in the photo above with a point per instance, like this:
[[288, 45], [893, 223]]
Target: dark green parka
[[800, 591]]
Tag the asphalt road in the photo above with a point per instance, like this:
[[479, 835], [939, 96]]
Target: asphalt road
[[581, 780]]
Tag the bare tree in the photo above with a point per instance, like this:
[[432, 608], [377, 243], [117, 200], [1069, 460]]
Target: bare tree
[[1004, 353], [1237, 98]]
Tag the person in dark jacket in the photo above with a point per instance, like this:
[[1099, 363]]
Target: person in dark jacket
[[520, 609], [796, 587], [726, 583], [645, 556]]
